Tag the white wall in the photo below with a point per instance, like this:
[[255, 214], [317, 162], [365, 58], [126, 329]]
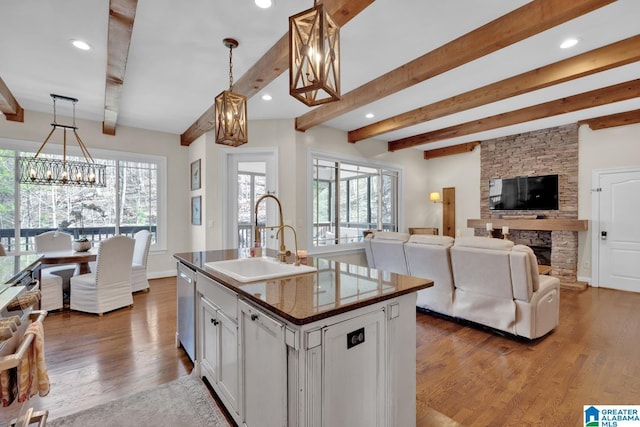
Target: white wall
[[292, 149], [461, 171], [197, 151], [36, 126], [601, 149]]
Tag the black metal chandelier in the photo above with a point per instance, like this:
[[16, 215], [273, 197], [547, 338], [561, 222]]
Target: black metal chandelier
[[55, 171], [314, 56]]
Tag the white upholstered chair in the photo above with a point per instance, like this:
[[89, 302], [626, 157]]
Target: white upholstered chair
[[109, 286], [53, 280], [428, 256], [139, 280]]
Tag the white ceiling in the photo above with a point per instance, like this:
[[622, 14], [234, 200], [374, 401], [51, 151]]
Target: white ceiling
[[177, 63]]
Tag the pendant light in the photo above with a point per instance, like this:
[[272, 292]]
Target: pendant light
[[314, 56], [55, 171], [231, 109]]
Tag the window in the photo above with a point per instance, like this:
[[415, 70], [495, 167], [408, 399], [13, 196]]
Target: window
[[251, 186], [131, 201], [349, 198]]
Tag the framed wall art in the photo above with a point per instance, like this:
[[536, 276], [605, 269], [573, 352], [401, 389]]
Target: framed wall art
[[195, 175], [196, 211]]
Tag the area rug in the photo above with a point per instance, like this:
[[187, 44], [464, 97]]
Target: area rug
[[183, 402]]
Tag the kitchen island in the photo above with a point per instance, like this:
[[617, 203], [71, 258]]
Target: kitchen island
[[331, 347]]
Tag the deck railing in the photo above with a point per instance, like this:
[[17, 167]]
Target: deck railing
[[26, 241]]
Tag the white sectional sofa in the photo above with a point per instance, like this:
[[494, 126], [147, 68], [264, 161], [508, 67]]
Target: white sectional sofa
[[487, 281]]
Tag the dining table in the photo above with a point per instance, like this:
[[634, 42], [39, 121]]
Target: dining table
[[80, 258]]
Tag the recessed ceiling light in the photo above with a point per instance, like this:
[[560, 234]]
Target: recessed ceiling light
[[370, 115], [266, 97], [264, 4], [81, 45], [571, 42]]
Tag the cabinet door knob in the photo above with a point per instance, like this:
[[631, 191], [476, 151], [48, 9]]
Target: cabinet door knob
[[254, 317], [214, 321]]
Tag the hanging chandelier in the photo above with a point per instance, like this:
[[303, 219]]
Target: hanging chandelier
[[55, 171], [231, 109], [314, 56]]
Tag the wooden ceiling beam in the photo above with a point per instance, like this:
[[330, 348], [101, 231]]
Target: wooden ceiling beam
[[270, 66], [598, 60], [612, 120], [594, 98], [122, 15], [526, 21], [9, 105], [451, 150]]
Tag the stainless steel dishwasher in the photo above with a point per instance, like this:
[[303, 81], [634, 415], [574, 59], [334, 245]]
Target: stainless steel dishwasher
[[186, 293]]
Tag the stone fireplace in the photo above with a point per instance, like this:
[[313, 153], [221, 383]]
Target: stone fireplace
[[542, 152]]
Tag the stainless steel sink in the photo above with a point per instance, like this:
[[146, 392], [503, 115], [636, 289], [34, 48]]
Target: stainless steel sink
[[254, 269]]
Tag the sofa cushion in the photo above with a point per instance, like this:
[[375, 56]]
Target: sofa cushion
[[484, 243], [387, 251], [391, 235], [426, 239]]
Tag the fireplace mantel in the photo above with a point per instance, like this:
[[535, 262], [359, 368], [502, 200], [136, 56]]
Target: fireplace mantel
[[551, 224]]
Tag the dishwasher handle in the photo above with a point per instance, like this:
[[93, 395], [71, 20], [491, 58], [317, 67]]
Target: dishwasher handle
[[185, 277]]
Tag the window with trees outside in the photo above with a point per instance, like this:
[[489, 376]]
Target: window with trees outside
[[350, 198], [130, 202]]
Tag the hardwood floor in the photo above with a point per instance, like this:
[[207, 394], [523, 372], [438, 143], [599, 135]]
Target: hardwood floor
[[92, 359], [482, 379], [465, 376]]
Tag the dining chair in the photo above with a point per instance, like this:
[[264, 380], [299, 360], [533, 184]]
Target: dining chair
[[139, 280], [2, 251], [54, 280], [108, 287]]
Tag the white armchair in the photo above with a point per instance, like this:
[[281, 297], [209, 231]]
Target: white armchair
[[498, 285], [139, 280], [109, 286], [53, 280]]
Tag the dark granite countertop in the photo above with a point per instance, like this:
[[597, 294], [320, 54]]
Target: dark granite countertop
[[336, 287]]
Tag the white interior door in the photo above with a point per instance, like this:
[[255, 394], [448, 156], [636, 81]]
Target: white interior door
[[616, 231], [239, 161]]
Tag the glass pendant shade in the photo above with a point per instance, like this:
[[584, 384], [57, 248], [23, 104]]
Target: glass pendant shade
[[314, 57], [231, 119]]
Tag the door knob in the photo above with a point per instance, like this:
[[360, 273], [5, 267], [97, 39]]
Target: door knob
[[215, 322], [254, 317], [603, 235]]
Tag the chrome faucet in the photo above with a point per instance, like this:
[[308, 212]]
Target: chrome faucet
[[282, 252]]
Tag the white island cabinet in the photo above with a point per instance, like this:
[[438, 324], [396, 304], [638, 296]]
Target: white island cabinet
[[329, 349]]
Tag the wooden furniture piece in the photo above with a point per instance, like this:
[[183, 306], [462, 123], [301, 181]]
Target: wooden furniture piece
[[449, 211], [551, 224], [423, 230], [70, 256]]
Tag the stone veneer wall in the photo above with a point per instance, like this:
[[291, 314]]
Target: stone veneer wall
[[542, 152]]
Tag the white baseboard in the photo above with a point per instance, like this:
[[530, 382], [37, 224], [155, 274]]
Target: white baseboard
[[161, 274], [584, 279]]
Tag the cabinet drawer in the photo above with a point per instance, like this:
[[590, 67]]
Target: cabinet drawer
[[223, 298]]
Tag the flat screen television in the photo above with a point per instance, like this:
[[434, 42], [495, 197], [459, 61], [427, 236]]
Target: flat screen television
[[524, 193]]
